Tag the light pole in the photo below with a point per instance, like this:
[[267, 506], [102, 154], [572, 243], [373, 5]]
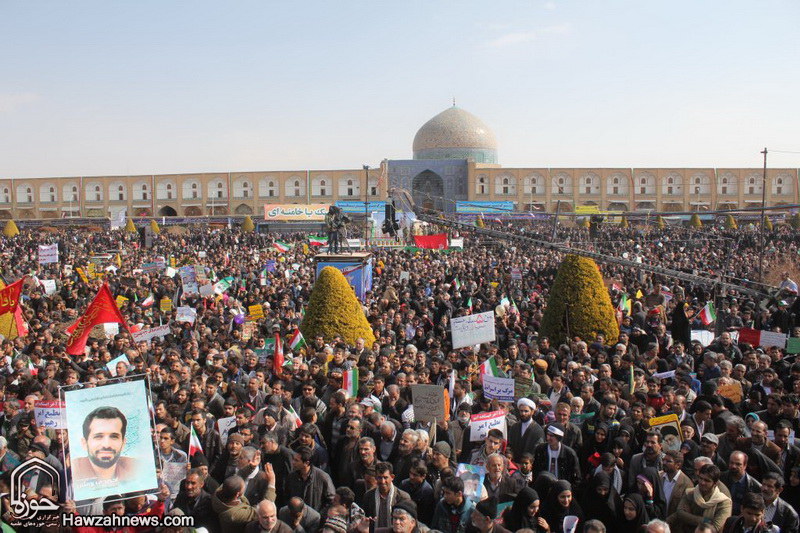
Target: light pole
[[763, 219], [366, 206]]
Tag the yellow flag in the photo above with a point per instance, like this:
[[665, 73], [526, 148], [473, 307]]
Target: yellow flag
[[121, 300], [639, 294], [79, 270], [118, 261], [305, 248], [256, 311], [165, 305]]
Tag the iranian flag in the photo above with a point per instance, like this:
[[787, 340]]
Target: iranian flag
[[292, 413], [194, 444], [708, 314], [490, 367], [457, 284], [469, 304], [350, 382], [316, 240], [281, 246], [150, 300], [297, 341]]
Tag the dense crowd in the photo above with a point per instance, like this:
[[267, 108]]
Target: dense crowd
[[305, 457]]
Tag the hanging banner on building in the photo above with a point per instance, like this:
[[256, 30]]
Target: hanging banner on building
[[295, 212], [472, 329], [110, 440], [48, 254]]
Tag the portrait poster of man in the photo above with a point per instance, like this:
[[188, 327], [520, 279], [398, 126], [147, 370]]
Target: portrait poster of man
[[670, 428], [110, 443]]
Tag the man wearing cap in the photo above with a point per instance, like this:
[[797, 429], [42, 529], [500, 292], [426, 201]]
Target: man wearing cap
[[526, 434], [555, 457], [709, 444]]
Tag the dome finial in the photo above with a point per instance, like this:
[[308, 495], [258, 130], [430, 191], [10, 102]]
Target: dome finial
[[454, 101]]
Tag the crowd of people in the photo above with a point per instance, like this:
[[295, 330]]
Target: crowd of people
[[577, 453]]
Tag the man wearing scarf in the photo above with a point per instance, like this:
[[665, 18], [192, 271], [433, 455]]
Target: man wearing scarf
[[703, 504], [378, 502]]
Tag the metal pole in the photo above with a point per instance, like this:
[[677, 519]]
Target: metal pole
[[555, 221], [763, 219], [366, 206]]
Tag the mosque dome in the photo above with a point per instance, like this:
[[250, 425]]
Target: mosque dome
[[456, 134]]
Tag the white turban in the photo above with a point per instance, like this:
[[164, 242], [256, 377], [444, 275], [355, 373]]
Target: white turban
[[526, 401]]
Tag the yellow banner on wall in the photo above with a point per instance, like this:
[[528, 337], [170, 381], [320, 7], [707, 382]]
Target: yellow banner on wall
[[296, 212]]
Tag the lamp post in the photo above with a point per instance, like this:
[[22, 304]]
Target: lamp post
[[763, 219], [366, 206]]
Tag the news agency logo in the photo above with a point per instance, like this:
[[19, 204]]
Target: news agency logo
[[27, 511]]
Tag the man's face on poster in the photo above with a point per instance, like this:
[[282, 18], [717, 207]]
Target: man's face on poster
[[105, 442]]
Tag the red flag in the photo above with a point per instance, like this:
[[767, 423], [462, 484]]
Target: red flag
[[433, 242], [22, 326], [102, 310], [9, 297], [277, 359]]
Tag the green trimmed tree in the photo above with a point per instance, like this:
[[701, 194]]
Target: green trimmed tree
[[767, 223], [333, 309], [695, 221], [247, 225], [624, 222], [130, 227], [579, 304], [795, 221], [660, 222], [730, 222]]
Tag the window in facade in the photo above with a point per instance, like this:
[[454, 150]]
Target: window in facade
[[121, 193]]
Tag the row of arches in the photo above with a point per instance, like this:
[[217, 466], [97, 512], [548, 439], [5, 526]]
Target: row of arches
[[618, 184], [190, 189]]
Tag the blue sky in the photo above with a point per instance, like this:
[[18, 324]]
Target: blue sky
[[107, 88]]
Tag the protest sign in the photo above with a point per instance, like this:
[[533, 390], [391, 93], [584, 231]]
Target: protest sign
[[206, 290], [670, 428], [48, 253], [224, 426], [498, 388], [481, 423], [256, 311], [472, 329], [186, 314], [49, 286], [148, 334], [165, 304], [112, 365], [732, 391], [428, 402], [135, 469], [472, 476], [49, 415]]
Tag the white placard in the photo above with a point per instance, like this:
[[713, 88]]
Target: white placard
[[111, 329], [49, 286], [456, 243], [186, 314], [428, 402], [472, 329], [225, 425], [148, 334], [49, 415], [48, 253], [498, 388], [481, 423]]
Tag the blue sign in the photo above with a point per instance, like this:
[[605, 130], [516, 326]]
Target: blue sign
[[487, 208], [356, 207], [359, 275]]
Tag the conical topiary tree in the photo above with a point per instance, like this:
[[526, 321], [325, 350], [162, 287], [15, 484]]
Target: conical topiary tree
[[333, 309], [695, 221], [660, 222], [730, 222], [130, 227], [767, 224], [247, 225], [11, 229], [154, 227], [579, 304], [624, 222], [795, 221]]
